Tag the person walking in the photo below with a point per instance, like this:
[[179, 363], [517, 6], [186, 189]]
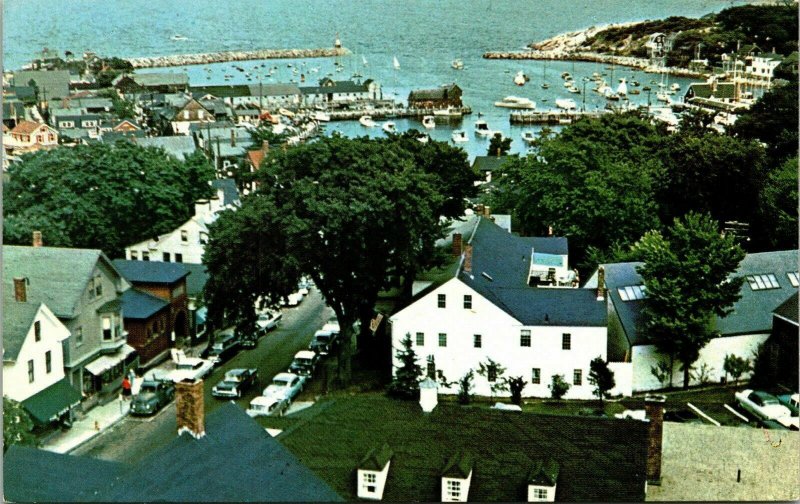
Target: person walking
[[126, 389]]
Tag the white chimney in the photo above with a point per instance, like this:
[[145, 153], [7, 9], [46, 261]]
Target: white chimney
[[428, 394]]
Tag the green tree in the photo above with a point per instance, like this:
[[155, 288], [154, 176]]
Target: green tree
[[516, 384], [346, 212], [687, 276], [465, 387], [17, 425], [663, 372], [773, 119], [736, 366], [499, 146], [101, 196], [405, 383], [558, 386], [601, 377], [493, 372], [777, 208]]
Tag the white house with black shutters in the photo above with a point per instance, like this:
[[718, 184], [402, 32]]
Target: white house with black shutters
[[491, 304]]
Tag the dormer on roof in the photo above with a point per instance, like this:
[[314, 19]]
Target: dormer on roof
[[542, 481], [373, 471], [547, 269], [456, 478]]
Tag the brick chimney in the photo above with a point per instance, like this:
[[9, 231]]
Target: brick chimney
[[654, 410], [601, 283], [20, 290], [468, 258], [190, 408], [456, 244], [37, 238]]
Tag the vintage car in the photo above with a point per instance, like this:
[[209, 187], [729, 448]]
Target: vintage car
[[285, 386], [235, 382], [153, 395], [267, 406]]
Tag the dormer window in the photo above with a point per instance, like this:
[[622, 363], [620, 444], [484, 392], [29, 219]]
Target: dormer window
[[454, 489], [456, 478], [372, 473]]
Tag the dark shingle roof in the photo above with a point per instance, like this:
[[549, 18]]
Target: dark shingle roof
[[458, 465], [488, 163], [274, 90], [196, 281], [377, 458], [17, 321], [178, 146], [229, 190], [544, 473], [702, 90], [231, 91], [500, 268], [788, 309], [54, 83], [140, 305], [236, 461], [151, 271], [600, 459], [331, 86], [439, 93]]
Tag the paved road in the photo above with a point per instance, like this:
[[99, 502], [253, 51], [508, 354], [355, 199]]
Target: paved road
[[135, 437]]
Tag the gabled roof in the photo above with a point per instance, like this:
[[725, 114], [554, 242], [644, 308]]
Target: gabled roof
[[140, 305], [440, 93], [377, 458], [17, 321], [788, 309], [160, 79], [27, 127], [151, 271], [230, 194], [196, 281], [331, 86], [488, 163], [53, 83], [179, 146], [236, 461], [722, 90], [544, 473], [57, 276], [459, 465], [500, 269], [231, 91]]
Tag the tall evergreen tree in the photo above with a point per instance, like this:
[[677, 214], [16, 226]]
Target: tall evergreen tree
[[601, 377], [405, 383]]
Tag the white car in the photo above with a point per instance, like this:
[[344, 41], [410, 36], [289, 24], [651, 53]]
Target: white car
[[285, 386], [189, 368], [268, 320], [332, 326], [267, 406], [293, 299], [761, 404]]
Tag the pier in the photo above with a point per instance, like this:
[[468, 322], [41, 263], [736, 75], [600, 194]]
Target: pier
[[225, 56], [554, 116], [391, 113]]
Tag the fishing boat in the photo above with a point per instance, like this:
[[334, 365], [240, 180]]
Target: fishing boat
[[545, 85], [574, 90], [528, 137], [634, 92], [635, 83], [429, 122], [515, 102], [612, 96], [459, 136], [448, 112], [520, 78], [482, 128], [457, 64], [366, 121], [389, 127], [395, 63], [663, 97], [566, 103]]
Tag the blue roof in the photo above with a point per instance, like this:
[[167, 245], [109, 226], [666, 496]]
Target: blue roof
[[230, 193], [151, 271], [140, 305], [236, 461], [500, 268]]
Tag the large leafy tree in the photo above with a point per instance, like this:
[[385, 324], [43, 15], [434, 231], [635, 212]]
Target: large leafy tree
[[687, 277], [17, 425], [773, 119], [101, 196], [777, 207], [346, 212]]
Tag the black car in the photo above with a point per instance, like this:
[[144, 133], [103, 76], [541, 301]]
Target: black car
[[226, 344], [235, 382], [153, 395]]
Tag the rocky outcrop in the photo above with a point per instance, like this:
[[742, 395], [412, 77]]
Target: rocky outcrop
[[218, 57]]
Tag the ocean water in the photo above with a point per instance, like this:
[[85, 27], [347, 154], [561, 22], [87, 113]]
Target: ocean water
[[424, 35]]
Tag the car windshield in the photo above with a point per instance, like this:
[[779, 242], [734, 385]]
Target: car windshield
[[148, 388], [280, 383]]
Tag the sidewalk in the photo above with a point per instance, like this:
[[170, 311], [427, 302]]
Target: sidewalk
[[94, 423]]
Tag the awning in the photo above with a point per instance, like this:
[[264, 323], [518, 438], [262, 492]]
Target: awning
[[105, 362], [52, 402], [200, 316]]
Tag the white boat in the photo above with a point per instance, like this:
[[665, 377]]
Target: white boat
[[178, 37], [448, 112], [460, 136], [566, 103], [366, 121], [520, 79], [389, 127], [286, 113], [574, 90], [423, 138], [528, 137], [429, 122], [395, 63], [515, 102], [622, 89], [663, 97], [321, 116], [482, 128], [675, 86], [457, 64]]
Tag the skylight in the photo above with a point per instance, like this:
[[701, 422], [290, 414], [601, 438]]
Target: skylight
[[763, 282], [631, 292], [794, 279]]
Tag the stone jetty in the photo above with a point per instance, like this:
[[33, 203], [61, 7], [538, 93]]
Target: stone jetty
[[223, 56]]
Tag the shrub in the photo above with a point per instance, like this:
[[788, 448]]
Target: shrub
[[558, 386]]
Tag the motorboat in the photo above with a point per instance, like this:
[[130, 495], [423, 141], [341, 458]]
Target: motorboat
[[389, 127], [460, 136], [429, 122], [321, 116], [574, 90], [564, 75], [675, 86], [286, 113], [515, 102], [566, 103], [367, 121], [448, 112], [520, 78], [482, 128], [457, 64], [545, 85], [423, 137], [663, 97], [528, 137]]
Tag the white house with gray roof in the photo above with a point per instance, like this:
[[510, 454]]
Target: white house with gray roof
[[331, 91], [489, 305], [770, 279]]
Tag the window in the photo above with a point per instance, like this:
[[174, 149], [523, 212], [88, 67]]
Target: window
[[540, 493], [476, 341], [48, 361], [145, 255], [98, 286], [794, 279], [186, 114], [184, 235], [632, 292], [442, 339], [200, 114], [369, 478], [467, 302], [78, 336], [762, 282], [577, 377], [165, 256], [420, 339], [39, 139], [134, 255], [525, 338], [454, 489], [37, 331], [179, 258], [442, 300], [566, 341], [536, 376], [30, 371], [107, 331]]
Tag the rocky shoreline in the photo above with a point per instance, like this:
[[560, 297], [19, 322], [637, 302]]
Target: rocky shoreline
[[219, 57]]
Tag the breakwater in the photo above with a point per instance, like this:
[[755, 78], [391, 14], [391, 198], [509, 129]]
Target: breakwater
[[224, 56]]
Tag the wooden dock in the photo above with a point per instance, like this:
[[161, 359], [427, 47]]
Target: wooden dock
[[554, 116], [391, 113]]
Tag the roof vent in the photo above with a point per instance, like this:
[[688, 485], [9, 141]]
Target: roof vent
[[487, 276]]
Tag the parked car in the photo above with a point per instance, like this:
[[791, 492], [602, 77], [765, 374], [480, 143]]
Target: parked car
[[226, 344], [268, 320], [791, 401], [184, 368], [763, 405], [153, 395], [322, 342], [332, 326], [235, 382], [267, 406], [285, 386], [304, 363], [293, 299]]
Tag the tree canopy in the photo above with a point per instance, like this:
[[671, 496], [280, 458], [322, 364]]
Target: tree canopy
[[101, 196], [686, 275], [773, 119], [17, 425]]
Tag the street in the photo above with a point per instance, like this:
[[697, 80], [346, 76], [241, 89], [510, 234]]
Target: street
[[135, 437]]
